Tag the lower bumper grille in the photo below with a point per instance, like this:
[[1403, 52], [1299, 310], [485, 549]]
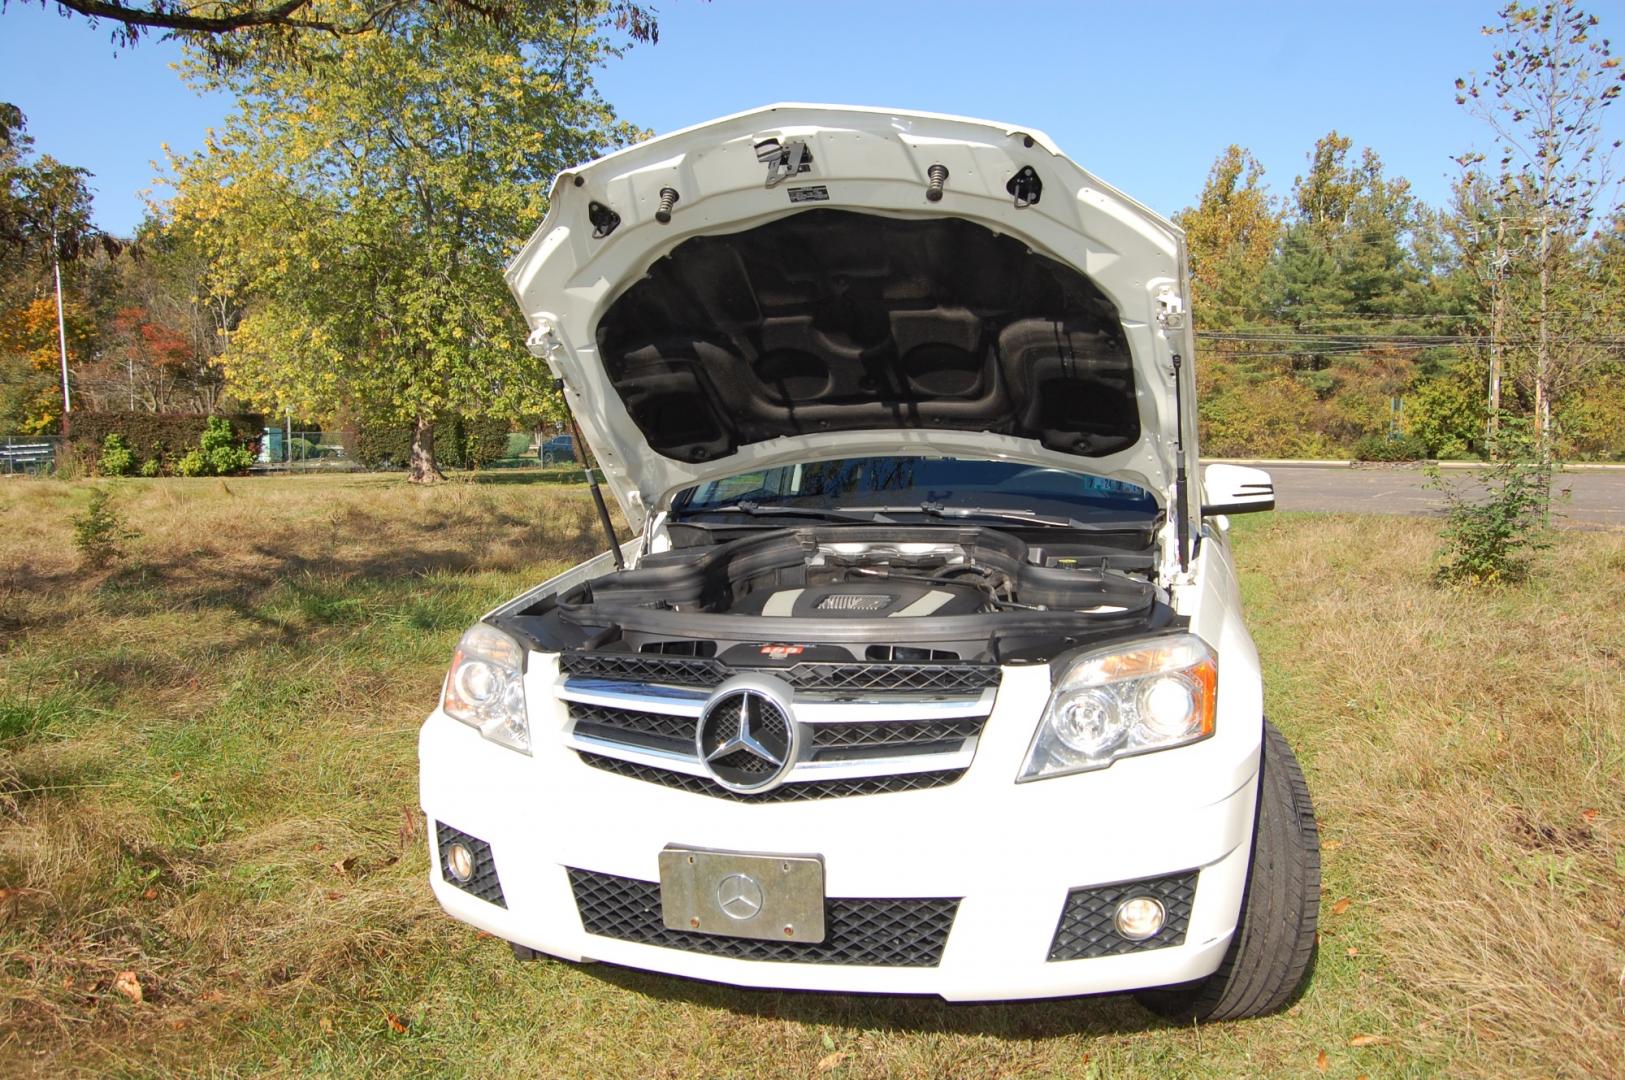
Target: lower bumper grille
[[1087, 930], [796, 792], [483, 883], [861, 933]]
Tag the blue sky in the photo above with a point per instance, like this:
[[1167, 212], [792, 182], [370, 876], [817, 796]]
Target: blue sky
[[1144, 95]]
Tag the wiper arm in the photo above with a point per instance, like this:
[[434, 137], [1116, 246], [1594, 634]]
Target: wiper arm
[[1022, 517], [756, 509]]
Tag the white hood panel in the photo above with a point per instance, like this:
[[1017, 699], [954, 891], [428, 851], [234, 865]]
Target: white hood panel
[[866, 161]]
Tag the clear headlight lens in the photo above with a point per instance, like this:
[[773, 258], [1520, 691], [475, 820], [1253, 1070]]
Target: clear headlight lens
[[486, 686], [1128, 699]]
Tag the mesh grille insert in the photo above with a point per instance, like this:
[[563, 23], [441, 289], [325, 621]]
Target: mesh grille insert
[[869, 933], [484, 883], [1086, 929], [796, 792], [923, 677]]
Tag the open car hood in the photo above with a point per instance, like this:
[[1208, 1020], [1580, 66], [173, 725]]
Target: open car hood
[[788, 284]]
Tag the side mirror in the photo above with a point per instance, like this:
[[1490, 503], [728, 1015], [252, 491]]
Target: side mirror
[[1236, 489]]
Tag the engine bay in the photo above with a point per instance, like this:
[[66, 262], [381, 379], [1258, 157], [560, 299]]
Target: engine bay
[[855, 593]]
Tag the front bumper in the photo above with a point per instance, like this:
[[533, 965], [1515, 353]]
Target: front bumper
[[1009, 853]]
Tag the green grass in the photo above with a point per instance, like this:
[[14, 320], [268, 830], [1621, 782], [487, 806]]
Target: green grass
[[208, 778]]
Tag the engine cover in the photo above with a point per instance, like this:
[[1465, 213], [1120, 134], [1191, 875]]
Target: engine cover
[[863, 600]]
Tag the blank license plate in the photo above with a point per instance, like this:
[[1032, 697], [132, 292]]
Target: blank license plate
[[767, 897]]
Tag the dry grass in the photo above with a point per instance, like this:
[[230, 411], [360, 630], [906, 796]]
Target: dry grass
[[207, 777]]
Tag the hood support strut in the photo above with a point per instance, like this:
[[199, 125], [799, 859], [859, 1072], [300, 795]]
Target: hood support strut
[[592, 479], [1181, 500]]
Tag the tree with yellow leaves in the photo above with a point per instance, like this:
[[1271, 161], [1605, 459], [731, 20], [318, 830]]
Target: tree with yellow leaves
[[365, 199]]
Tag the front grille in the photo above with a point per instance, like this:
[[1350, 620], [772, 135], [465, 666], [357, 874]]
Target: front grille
[[937, 677], [865, 933], [665, 731], [652, 729], [896, 733], [795, 792], [1086, 928], [484, 883]]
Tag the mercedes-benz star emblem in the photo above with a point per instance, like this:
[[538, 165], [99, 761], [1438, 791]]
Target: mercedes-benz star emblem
[[739, 896], [746, 737]]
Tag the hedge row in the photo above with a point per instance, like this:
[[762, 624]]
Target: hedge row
[[161, 437], [459, 443]]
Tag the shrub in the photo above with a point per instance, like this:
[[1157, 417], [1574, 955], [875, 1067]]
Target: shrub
[[117, 459], [1488, 540], [192, 463], [151, 467], [163, 437], [459, 443], [1388, 448], [221, 450], [99, 533]]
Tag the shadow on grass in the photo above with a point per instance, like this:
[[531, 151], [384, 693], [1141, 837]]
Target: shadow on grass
[[573, 477], [1103, 1014]]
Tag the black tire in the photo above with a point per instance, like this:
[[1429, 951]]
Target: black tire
[[1274, 944]]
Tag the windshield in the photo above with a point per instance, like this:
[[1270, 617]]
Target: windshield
[[901, 482]]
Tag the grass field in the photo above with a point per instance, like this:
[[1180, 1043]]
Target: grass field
[[208, 779]]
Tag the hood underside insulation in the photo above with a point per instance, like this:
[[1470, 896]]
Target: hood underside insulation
[[830, 320]]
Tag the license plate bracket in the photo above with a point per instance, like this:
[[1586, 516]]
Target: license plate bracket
[[743, 894]]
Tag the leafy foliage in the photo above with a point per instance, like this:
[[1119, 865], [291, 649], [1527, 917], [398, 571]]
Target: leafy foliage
[[99, 532], [160, 437], [221, 451], [117, 458], [1489, 539], [1387, 448], [368, 213]]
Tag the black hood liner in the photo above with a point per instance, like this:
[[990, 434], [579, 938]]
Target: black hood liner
[[829, 320]]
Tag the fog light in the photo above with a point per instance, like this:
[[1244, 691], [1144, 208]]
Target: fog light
[[460, 865], [1140, 917]]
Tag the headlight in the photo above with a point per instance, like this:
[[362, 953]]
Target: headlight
[[1128, 699], [486, 686]]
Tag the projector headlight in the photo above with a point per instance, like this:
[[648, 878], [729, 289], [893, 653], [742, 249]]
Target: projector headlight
[[1128, 699], [486, 687]]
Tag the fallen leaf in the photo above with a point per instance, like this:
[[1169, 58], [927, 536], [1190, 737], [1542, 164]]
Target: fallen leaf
[[176, 1025], [1368, 1040], [1341, 906], [345, 865], [318, 846], [333, 894], [127, 984], [150, 894], [829, 1061], [1330, 845], [483, 934], [397, 1024], [1588, 814], [829, 1043], [327, 1026], [67, 982], [1320, 1061], [1354, 951]]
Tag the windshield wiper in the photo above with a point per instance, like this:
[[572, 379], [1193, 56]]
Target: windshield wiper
[[986, 513], [756, 509]]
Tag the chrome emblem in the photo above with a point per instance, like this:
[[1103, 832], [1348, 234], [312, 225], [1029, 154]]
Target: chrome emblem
[[739, 896], [746, 736]]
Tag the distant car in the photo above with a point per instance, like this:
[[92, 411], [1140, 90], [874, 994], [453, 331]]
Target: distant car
[[927, 671], [558, 449]]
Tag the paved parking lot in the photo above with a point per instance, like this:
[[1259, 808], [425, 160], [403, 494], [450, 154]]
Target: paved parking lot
[[1596, 497]]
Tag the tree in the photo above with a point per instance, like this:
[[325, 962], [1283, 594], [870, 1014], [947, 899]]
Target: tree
[[1544, 99], [365, 215], [45, 229], [1230, 235], [231, 32]]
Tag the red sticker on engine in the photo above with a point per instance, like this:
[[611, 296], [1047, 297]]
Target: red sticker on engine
[[779, 652]]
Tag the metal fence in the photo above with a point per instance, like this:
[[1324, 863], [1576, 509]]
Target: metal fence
[[29, 454], [303, 450]]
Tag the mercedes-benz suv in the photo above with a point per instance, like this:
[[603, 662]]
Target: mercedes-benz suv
[[925, 671]]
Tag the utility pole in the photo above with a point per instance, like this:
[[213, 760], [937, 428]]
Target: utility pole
[[61, 323], [1497, 267]]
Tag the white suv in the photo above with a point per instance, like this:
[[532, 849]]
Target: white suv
[[926, 671]]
